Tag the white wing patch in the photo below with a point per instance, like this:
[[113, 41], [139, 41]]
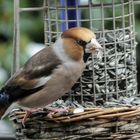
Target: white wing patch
[[42, 81]]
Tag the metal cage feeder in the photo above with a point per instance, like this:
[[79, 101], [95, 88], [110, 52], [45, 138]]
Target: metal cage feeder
[[110, 82], [115, 75]]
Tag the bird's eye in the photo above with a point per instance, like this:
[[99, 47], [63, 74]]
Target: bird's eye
[[81, 43]]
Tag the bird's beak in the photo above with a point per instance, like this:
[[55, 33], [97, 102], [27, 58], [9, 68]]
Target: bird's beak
[[94, 47]]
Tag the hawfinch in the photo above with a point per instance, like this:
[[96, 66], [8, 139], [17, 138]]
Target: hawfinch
[[51, 72]]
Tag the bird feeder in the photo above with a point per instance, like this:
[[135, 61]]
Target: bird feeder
[[114, 76], [107, 89]]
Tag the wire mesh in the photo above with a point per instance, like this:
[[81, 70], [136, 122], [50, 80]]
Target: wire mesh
[[113, 21]]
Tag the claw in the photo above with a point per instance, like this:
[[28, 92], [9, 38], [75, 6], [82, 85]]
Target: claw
[[53, 111], [28, 114]]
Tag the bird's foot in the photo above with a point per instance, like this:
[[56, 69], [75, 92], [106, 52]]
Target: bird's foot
[[52, 111], [28, 113]]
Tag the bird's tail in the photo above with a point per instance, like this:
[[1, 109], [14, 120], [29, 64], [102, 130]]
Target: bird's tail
[[4, 103]]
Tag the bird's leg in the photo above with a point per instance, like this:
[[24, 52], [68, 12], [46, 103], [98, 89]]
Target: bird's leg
[[53, 111], [28, 113]]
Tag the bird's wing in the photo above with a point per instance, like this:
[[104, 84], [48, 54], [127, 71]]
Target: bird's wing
[[34, 74]]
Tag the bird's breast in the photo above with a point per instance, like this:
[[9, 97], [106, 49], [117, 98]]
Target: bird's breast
[[61, 81], [74, 69]]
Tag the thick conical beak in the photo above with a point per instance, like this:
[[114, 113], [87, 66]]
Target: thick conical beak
[[96, 44], [94, 47]]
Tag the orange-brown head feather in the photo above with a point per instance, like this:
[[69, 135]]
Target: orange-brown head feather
[[79, 33], [72, 49]]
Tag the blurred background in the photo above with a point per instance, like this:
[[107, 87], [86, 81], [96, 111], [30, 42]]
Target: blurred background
[[32, 34]]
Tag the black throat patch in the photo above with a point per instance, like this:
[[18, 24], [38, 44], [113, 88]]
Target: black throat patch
[[83, 44]]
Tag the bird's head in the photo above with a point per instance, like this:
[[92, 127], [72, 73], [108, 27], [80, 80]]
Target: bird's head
[[84, 38]]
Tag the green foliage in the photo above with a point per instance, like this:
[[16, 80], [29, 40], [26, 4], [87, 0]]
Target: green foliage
[[31, 29], [6, 18]]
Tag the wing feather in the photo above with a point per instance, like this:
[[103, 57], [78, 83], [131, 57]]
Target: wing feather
[[38, 67], [34, 74]]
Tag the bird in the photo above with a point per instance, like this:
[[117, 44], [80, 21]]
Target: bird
[[51, 72]]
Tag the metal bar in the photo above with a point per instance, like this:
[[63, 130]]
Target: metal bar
[[32, 9], [77, 23], [16, 37], [115, 45], [133, 21], [78, 13], [45, 23], [66, 15], [56, 18], [123, 25], [105, 57], [136, 1], [117, 29], [93, 73], [106, 18], [133, 48], [49, 22], [106, 5]]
